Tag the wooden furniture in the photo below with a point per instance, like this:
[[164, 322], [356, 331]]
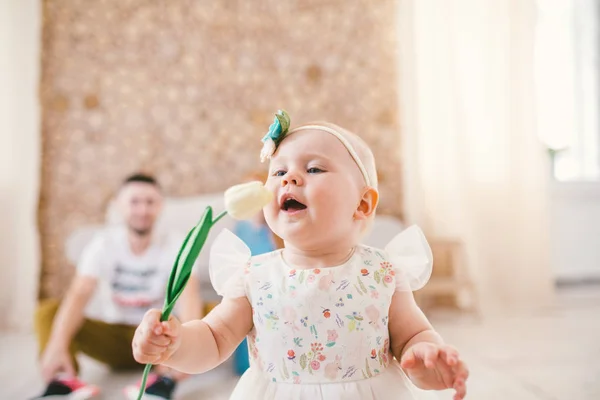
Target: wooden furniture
[[451, 284]]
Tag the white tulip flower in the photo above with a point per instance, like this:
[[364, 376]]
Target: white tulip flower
[[243, 201]]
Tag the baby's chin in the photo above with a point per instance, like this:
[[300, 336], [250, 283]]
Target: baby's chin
[[297, 236]]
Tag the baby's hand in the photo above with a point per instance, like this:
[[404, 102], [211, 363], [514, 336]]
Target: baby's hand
[[438, 367], [154, 341]]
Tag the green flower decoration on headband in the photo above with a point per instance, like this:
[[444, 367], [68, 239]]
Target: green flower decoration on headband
[[277, 132]]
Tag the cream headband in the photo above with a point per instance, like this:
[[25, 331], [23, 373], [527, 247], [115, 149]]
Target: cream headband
[[279, 130]]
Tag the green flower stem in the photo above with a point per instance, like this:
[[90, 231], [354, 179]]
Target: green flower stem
[[224, 213], [182, 269]]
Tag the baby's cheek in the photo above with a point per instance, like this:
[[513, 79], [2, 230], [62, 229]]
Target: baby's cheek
[[270, 212]]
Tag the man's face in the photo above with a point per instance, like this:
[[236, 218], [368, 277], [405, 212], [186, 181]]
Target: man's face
[[140, 204]]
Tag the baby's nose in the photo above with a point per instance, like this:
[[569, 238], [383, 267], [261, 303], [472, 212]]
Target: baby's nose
[[291, 180]]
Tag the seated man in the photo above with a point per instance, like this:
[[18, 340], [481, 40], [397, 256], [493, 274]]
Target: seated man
[[122, 273]]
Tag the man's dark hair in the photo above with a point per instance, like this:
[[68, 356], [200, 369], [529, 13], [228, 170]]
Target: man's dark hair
[[142, 178]]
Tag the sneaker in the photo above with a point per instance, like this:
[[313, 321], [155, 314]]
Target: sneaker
[[69, 389], [158, 387]]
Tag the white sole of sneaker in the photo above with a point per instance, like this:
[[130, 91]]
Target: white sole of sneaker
[[85, 393]]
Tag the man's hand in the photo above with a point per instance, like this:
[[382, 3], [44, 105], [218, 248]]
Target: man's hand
[[56, 359], [437, 367], [155, 342]]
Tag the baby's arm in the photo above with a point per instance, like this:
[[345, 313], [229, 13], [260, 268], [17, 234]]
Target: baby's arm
[[428, 362], [196, 346], [408, 325], [208, 342]]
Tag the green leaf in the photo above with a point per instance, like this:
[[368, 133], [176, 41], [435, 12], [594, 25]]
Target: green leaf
[[361, 284], [295, 373], [349, 296], [330, 344], [352, 325], [301, 277], [368, 369], [377, 277], [182, 268], [286, 375], [284, 120]]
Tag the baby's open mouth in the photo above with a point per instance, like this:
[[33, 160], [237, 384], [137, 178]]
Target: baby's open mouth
[[292, 204]]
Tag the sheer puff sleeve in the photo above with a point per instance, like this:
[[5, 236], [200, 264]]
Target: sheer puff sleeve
[[411, 257], [229, 260]]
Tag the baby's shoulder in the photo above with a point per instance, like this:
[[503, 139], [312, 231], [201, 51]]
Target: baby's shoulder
[[265, 259]]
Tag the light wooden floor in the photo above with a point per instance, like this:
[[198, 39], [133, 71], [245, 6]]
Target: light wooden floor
[[553, 355]]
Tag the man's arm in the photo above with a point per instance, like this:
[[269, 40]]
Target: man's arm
[[67, 322], [69, 317]]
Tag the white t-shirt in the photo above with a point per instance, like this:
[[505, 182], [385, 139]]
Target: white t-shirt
[[128, 284]]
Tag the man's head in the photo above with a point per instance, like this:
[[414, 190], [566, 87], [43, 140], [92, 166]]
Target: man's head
[[140, 202]]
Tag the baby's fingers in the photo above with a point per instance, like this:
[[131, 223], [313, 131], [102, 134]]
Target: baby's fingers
[[408, 360], [422, 352], [460, 387], [171, 327], [430, 356], [450, 355], [461, 373], [147, 353], [161, 341], [151, 323]]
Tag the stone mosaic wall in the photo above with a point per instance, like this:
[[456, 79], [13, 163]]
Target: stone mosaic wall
[[185, 89]]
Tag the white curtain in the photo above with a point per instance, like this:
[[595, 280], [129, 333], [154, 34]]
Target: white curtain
[[20, 39], [475, 169]]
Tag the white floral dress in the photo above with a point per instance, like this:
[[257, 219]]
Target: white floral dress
[[322, 333]]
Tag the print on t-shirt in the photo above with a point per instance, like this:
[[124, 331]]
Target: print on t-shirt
[[132, 287]]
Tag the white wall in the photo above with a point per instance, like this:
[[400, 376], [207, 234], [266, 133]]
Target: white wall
[[19, 160], [575, 230]]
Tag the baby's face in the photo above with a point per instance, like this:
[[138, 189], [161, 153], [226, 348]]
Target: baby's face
[[317, 188]]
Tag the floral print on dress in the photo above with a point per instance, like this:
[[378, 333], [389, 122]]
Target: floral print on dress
[[385, 274], [321, 325]]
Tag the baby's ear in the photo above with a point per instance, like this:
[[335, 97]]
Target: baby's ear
[[368, 204]]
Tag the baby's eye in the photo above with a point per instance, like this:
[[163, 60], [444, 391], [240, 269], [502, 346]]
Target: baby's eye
[[314, 170], [279, 173]]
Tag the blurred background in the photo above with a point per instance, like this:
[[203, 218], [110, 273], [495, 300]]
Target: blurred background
[[483, 116]]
